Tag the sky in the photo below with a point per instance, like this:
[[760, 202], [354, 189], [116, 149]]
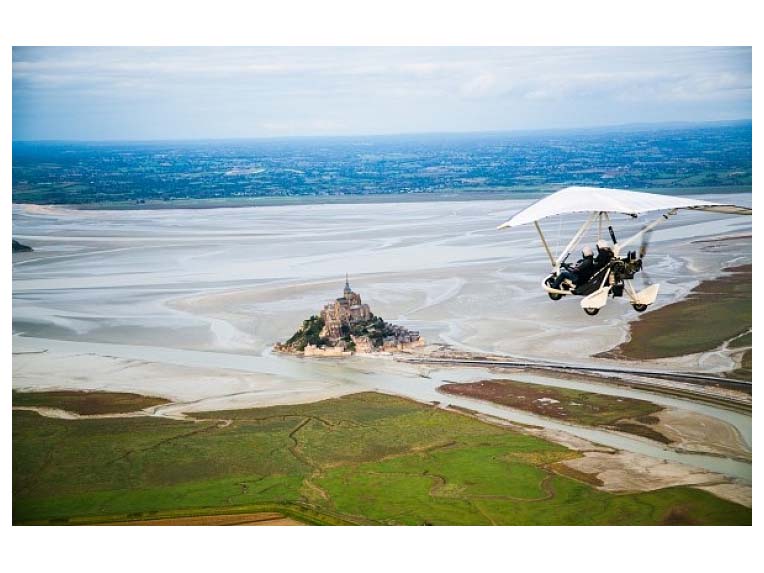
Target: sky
[[205, 93]]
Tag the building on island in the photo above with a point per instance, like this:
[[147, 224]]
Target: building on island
[[347, 325], [362, 343], [336, 351], [344, 311]]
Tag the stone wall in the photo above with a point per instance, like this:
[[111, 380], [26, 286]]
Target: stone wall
[[325, 351]]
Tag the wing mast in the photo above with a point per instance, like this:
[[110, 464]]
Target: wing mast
[[543, 242], [575, 240], [599, 202]]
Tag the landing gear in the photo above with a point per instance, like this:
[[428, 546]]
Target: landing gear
[[640, 307], [553, 295], [591, 311]]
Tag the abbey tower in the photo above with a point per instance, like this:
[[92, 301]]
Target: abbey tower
[[344, 311]]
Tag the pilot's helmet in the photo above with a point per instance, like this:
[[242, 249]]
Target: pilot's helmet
[[587, 251], [602, 245]]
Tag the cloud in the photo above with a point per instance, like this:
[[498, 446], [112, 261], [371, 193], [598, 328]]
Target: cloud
[[317, 126], [373, 90], [479, 85]]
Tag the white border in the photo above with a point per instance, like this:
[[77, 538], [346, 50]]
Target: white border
[[391, 23], [333, 22]]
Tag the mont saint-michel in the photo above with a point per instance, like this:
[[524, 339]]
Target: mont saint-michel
[[347, 325]]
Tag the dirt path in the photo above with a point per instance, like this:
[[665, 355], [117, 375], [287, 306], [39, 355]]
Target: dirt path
[[60, 414], [263, 518]]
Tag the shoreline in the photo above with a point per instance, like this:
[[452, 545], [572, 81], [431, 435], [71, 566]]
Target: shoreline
[[519, 193], [669, 425]]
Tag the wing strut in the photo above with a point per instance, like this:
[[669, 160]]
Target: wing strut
[[546, 246], [575, 240]]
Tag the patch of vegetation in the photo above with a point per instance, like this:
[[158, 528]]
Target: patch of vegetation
[[745, 341], [745, 372], [576, 406], [371, 327], [87, 403], [309, 333], [649, 420], [568, 471], [715, 311], [364, 459], [678, 516], [641, 430]]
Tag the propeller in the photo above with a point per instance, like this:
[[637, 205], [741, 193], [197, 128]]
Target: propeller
[[642, 252], [645, 243]]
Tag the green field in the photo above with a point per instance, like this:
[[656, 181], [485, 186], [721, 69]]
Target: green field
[[364, 459], [567, 404]]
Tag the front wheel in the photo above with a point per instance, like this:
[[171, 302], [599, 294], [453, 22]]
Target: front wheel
[[591, 311], [640, 307], [553, 295]]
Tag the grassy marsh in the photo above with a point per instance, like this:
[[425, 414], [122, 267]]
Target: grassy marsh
[[362, 459]]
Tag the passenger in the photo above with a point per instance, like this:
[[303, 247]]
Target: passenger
[[580, 273], [604, 255]]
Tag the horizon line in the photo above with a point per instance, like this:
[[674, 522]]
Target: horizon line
[[606, 127]]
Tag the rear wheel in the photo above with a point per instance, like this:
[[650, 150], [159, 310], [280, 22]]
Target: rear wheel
[[640, 307], [591, 311]]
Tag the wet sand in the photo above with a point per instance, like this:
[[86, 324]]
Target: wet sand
[[237, 280], [696, 432]]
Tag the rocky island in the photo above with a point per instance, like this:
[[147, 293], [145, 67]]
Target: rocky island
[[19, 248], [346, 326]]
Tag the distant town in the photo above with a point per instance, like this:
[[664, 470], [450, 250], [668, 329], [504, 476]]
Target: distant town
[[154, 174], [346, 326]]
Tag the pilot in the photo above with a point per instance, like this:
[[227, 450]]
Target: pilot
[[580, 273], [604, 255]]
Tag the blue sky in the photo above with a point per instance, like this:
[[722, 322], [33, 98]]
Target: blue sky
[[188, 93]]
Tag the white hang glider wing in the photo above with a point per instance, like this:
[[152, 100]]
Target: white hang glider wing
[[602, 200]]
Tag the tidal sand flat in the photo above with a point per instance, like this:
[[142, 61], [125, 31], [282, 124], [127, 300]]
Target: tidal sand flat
[[238, 280]]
